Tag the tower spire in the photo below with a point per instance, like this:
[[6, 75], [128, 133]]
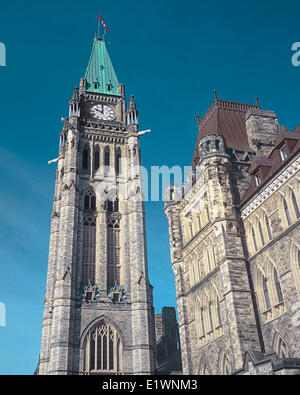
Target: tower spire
[[100, 74]]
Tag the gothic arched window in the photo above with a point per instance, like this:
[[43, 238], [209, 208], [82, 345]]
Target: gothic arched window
[[287, 212], [90, 201], [103, 350], [295, 205]]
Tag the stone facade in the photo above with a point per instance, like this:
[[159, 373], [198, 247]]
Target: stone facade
[[98, 315], [234, 240]]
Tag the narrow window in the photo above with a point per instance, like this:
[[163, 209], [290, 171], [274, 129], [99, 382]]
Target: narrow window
[[85, 156], [219, 311], [268, 228], [199, 221], [207, 213], [202, 322], [97, 160], [118, 163], [254, 239], [266, 293], [261, 234], [210, 317], [295, 204], [107, 158], [277, 286], [208, 260], [287, 212], [299, 258]]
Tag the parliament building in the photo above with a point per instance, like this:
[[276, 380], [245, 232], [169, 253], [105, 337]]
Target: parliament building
[[234, 238]]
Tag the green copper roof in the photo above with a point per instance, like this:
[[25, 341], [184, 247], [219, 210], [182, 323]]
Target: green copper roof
[[100, 74]]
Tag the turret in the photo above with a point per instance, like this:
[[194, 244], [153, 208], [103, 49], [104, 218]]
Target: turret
[[74, 109], [132, 115]]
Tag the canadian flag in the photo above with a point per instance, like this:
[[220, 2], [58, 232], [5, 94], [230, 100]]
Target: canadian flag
[[104, 25]]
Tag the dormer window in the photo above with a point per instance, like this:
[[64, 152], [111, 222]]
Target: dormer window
[[257, 180], [96, 85], [283, 153]]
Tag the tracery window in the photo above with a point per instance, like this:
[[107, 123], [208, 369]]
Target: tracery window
[[103, 350]]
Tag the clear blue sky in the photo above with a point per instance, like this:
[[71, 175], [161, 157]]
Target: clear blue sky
[[171, 55]]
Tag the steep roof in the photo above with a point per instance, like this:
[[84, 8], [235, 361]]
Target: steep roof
[[100, 74], [226, 118]]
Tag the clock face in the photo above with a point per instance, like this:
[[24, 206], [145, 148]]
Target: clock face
[[103, 112]]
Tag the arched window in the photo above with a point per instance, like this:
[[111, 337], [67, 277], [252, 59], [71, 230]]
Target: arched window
[[254, 239], [85, 159], [280, 347], [118, 162], [266, 293], [287, 212], [261, 234], [97, 160], [295, 205], [103, 350], [90, 201], [268, 228], [277, 286]]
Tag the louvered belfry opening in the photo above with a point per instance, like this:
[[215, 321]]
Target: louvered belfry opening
[[89, 238]]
